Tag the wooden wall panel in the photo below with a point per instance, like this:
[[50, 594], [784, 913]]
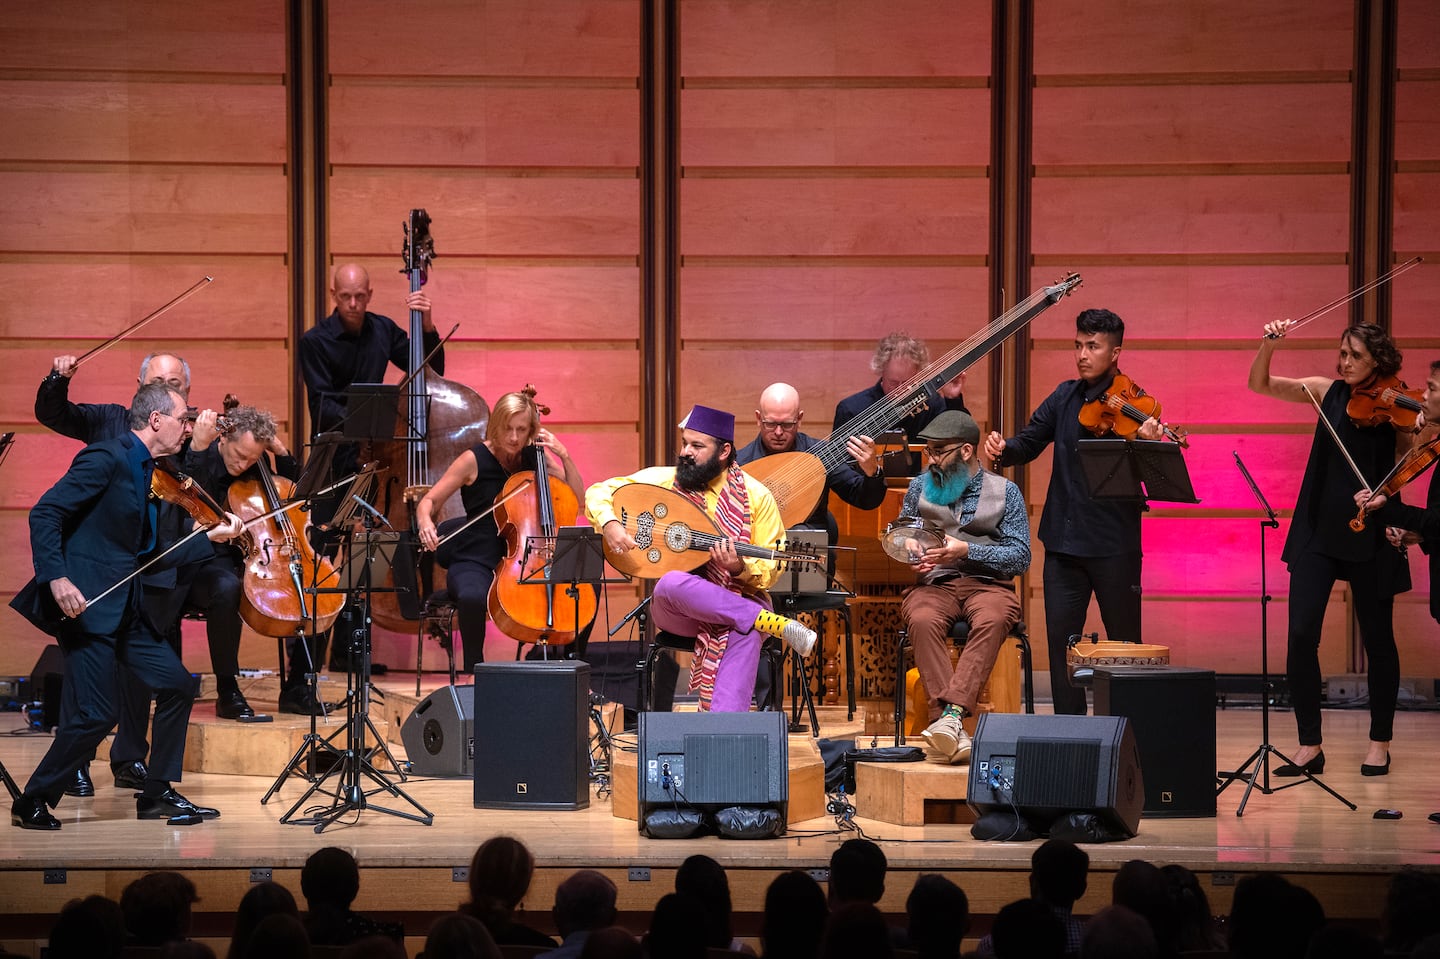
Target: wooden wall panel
[[163, 36], [1285, 124], [76, 121], [1196, 215], [898, 126], [1203, 37], [806, 38], [1419, 24], [834, 217], [426, 123], [474, 214], [519, 38]]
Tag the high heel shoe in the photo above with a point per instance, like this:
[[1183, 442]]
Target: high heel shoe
[[1368, 770], [1314, 767]]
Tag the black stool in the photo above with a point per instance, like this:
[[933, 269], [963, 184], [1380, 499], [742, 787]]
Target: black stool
[[437, 621], [790, 604], [959, 634]]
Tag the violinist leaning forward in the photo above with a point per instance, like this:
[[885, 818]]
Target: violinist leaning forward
[[512, 443], [1321, 546], [1411, 525], [222, 451]]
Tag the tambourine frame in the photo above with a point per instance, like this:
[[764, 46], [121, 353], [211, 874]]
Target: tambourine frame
[[911, 529]]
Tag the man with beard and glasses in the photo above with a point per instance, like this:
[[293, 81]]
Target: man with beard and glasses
[[723, 604], [1092, 547], [970, 575]]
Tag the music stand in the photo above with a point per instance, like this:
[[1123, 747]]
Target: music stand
[[577, 557], [1260, 758], [1117, 469], [370, 411]]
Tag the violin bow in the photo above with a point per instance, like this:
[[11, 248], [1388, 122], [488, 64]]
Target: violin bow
[[1336, 437], [524, 484], [142, 321], [1374, 284], [172, 548]]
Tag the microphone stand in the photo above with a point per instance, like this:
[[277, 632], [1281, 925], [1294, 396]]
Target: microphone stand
[[1260, 758]]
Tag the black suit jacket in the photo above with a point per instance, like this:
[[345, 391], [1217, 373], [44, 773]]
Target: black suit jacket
[[89, 527]]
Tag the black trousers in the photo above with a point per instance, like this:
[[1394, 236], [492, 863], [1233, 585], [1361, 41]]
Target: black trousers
[[469, 587], [90, 703], [1312, 576], [215, 591], [1070, 581]]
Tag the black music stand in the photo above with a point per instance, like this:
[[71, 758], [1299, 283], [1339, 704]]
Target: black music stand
[[1117, 469], [1260, 758], [577, 558], [370, 411]]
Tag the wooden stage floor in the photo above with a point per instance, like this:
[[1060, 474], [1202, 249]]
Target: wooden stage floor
[[409, 868]]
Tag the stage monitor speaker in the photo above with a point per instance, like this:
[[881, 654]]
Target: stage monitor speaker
[[711, 760], [439, 736], [1172, 710], [533, 751], [1046, 766], [47, 682]]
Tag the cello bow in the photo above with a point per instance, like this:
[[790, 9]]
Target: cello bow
[[199, 284]]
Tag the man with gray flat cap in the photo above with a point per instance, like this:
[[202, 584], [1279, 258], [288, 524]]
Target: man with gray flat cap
[[970, 574]]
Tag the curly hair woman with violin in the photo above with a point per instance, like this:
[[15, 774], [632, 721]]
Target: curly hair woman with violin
[[1321, 547]]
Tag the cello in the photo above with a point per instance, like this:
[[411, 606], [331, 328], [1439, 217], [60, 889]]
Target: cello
[[438, 419], [280, 564], [521, 603]]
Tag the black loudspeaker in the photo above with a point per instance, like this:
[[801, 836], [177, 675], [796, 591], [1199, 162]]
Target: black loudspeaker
[[533, 751], [1046, 766], [711, 760], [1172, 710], [47, 682], [439, 736]]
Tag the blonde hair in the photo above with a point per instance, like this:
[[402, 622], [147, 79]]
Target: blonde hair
[[508, 407]]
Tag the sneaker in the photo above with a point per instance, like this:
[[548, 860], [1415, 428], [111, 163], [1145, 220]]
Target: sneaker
[[947, 740], [797, 635]]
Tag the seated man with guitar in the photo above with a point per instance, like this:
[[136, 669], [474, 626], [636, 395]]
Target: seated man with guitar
[[723, 604], [975, 539]]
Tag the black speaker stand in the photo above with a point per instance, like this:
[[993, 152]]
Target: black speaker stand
[[1260, 758], [10, 785]]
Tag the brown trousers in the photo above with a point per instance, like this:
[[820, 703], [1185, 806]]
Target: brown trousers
[[930, 611]]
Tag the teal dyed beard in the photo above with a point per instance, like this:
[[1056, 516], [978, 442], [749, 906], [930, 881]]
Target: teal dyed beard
[[944, 487]]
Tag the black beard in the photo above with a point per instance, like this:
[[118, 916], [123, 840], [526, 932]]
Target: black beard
[[690, 475]]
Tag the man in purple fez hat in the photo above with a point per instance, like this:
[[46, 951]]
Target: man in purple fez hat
[[723, 604]]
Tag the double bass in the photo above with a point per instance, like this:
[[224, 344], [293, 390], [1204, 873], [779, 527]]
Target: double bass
[[438, 419], [525, 607]]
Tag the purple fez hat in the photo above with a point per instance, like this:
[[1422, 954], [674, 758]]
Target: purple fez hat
[[716, 423]]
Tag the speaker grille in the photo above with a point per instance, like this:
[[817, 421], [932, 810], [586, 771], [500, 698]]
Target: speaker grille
[[731, 768], [1056, 773]]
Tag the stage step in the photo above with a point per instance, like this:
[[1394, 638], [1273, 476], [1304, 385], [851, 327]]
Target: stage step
[[912, 794]]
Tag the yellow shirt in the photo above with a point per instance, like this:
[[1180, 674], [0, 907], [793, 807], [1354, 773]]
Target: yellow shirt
[[766, 527]]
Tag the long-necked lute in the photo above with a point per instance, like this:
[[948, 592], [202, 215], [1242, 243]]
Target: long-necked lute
[[797, 479]]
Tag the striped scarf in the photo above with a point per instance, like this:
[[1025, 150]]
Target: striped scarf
[[732, 516]]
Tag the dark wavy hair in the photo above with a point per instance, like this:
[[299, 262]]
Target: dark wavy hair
[[1101, 321], [1382, 349]]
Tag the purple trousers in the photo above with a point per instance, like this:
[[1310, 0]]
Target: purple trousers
[[683, 602]]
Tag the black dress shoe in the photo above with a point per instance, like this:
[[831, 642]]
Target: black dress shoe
[[82, 786], [28, 812], [129, 775], [231, 704], [170, 803], [300, 701], [1314, 767], [1434, 817], [1368, 770]]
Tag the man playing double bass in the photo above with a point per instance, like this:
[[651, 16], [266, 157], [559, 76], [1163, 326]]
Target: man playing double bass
[[215, 461], [724, 603]]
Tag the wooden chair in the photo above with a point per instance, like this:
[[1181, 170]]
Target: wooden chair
[[959, 633]]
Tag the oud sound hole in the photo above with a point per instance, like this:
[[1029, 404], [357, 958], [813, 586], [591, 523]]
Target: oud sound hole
[[677, 537]]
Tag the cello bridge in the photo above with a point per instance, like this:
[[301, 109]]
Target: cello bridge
[[414, 494]]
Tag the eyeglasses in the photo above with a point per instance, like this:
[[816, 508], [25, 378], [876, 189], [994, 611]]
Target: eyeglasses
[[940, 452], [186, 417], [785, 426]]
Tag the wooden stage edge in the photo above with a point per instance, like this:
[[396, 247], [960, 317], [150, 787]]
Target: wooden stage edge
[[409, 869]]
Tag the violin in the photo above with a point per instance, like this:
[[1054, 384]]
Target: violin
[[1387, 400], [1122, 409], [522, 604], [1420, 458], [169, 484]]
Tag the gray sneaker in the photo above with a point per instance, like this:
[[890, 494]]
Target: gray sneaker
[[947, 740], [800, 637]]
